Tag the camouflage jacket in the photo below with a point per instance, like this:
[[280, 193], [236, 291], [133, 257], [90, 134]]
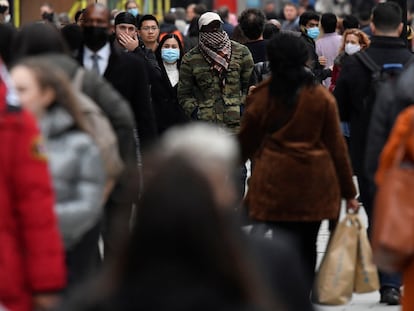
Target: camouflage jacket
[[200, 93]]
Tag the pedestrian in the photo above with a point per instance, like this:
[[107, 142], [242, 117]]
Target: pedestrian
[[44, 41], [75, 161], [214, 79], [214, 76], [291, 131], [291, 17], [309, 29], [352, 92], [252, 22], [327, 45], [149, 31], [188, 180], [353, 41], [32, 269], [402, 135], [169, 54]]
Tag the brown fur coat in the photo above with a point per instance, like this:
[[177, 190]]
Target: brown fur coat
[[301, 170]]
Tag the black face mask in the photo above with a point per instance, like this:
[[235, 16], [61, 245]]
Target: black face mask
[[95, 37], [47, 16]]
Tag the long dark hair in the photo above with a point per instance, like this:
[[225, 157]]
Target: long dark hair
[[165, 38], [36, 39], [288, 55], [183, 253]]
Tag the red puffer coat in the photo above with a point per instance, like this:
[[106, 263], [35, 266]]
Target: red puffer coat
[[31, 250]]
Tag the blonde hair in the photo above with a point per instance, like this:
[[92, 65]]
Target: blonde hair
[[363, 39]]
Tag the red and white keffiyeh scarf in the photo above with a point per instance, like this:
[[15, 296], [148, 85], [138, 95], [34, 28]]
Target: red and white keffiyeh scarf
[[216, 49]]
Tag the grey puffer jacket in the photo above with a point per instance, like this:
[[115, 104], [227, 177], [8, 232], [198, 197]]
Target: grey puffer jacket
[[78, 175]]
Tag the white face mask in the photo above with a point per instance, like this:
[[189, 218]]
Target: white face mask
[[351, 48]]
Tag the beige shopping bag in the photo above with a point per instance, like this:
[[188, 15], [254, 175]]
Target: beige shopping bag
[[335, 280], [366, 274]]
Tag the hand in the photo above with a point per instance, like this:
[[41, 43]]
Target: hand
[[251, 88], [128, 42], [44, 302], [322, 60], [352, 205]]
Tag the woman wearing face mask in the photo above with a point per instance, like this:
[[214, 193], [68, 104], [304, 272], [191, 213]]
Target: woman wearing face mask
[[353, 40], [132, 7], [169, 54]]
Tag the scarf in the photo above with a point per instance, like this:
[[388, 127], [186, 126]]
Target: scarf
[[216, 50]]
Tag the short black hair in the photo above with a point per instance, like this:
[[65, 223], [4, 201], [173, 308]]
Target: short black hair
[[223, 12], [147, 17], [350, 21], [252, 23], [387, 16], [270, 30], [308, 16], [328, 22]]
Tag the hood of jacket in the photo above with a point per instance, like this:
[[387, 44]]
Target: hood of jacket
[[56, 121]]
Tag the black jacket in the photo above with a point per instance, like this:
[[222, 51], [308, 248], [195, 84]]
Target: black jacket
[[383, 118], [128, 75], [167, 109], [353, 86], [318, 70]]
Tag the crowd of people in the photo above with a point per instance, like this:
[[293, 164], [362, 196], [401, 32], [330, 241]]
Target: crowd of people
[[123, 180]]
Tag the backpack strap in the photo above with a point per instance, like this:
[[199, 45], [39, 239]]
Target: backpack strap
[[368, 62]]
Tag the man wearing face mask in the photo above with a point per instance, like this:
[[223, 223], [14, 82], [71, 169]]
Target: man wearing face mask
[[309, 28], [127, 40], [214, 78], [127, 74]]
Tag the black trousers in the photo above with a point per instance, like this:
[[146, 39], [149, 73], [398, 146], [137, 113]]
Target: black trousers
[[305, 234]]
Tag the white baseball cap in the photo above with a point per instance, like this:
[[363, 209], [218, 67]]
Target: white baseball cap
[[207, 18]]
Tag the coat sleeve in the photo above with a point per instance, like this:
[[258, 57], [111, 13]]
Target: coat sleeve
[[335, 143], [142, 106], [246, 69], [186, 85], [116, 109], [379, 128], [251, 132], [84, 208], [31, 184], [120, 115], [343, 91]]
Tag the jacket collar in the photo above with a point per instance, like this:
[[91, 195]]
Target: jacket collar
[[388, 42]]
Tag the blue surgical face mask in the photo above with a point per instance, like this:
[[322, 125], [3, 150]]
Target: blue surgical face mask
[[313, 32], [170, 55], [134, 11]]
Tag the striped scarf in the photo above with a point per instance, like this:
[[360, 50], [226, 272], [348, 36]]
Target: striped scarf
[[216, 50]]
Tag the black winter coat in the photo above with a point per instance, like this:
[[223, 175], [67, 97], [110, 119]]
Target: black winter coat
[[383, 118], [353, 86], [167, 109]]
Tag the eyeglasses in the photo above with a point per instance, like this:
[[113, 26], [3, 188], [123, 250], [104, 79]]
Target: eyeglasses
[[148, 28]]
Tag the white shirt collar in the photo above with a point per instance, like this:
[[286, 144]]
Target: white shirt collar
[[104, 53]]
